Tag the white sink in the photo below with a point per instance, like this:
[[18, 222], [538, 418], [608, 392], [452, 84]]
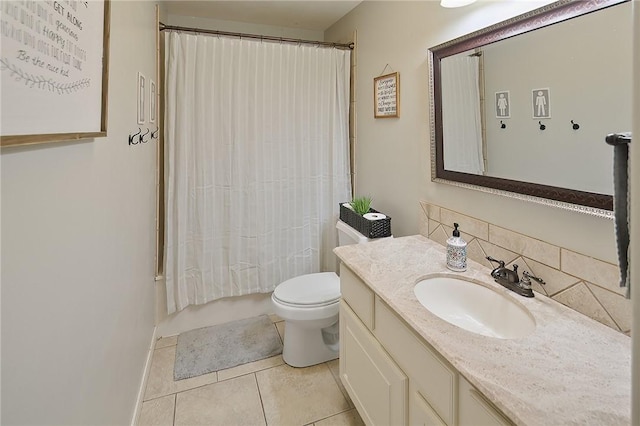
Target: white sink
[[475, 308]]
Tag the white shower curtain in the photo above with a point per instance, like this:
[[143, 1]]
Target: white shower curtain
[[462, 125], [257, 161]]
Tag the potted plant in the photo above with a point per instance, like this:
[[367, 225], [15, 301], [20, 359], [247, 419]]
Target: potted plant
[[361, 205]]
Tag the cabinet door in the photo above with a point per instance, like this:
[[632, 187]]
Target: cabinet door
[[374, 382], [420, 412], [475, 410], [431, 375]]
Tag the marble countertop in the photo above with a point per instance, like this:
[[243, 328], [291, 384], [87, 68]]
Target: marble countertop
[[570, 370]]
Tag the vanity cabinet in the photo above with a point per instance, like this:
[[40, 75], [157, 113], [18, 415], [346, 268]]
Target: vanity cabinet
[[393, 376]]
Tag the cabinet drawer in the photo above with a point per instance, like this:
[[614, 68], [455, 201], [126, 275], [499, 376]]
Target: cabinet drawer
[[430, 374], [374, 382], [475, 410], [357, 295]]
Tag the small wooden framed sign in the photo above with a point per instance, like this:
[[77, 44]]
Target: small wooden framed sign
[[386, 96]]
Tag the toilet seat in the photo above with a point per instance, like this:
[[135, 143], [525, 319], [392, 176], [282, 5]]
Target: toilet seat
[[309, 291]]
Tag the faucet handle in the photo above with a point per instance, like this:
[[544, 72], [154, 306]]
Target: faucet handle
[[527, 277], [500, 262]]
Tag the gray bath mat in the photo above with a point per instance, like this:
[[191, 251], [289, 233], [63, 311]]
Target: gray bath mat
[[210, 349]]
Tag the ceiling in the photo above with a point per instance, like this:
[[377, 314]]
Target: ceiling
[[302, 14]]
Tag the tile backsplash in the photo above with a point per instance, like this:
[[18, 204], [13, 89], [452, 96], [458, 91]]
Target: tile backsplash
[[583, 283]]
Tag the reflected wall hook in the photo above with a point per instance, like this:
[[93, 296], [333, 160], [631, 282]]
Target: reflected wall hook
[[542, 126], [575, 126], [502, 125]]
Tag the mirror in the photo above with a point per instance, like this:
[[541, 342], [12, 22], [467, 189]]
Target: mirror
[[522, 108]]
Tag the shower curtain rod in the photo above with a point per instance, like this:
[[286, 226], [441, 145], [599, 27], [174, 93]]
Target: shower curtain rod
[[164, 27]]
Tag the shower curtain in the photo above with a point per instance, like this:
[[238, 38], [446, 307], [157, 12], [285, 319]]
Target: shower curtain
[[257, 161], [462, 128]]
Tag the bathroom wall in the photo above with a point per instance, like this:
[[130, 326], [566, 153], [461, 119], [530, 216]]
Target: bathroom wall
[[392, 155], [635, 224], [78, 246]]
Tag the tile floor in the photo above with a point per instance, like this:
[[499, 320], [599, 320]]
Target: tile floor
[[265, 392]]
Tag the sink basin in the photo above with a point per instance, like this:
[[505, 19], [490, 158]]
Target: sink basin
[[475, 308]]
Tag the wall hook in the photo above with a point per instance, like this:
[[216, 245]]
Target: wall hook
[[132, 137], [502, 125], [575, 126], [141, 137], [542, 126]]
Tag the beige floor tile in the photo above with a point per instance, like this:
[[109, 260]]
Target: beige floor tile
[[334, 367], [232, 402], [298, 396], [161, 383], [250, 367], [158, 412], [166, 342], [274, 318], [280, 328], [348, 418]]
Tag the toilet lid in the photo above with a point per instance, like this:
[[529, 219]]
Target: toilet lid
[[312, 289]]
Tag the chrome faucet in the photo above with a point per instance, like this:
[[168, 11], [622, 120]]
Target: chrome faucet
[[510, 279]]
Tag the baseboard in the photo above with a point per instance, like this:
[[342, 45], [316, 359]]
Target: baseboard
[[145, 376]]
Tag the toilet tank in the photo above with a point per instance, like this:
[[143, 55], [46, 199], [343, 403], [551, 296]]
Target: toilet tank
[[347, 235]]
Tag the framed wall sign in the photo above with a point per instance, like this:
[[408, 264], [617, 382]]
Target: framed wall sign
[[503, 104], [54, 70], [541, 103], [386, 96], [152, 101], [142, 82]]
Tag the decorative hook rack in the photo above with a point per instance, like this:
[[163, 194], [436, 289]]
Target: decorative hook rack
[[139, 137]]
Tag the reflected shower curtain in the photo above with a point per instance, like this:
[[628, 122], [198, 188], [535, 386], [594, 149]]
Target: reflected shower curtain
[[462, 125], [257, 161]]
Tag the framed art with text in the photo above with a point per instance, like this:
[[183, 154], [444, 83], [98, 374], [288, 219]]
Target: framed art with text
[[386, 96], [54, 71]]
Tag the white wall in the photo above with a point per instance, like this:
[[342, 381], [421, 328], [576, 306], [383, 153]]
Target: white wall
[[635, 223], [392, 155], [78, 246]]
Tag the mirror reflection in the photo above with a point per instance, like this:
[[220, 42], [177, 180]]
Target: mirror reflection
[[535, 108]]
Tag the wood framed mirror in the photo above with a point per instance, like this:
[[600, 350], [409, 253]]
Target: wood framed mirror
[[577, 56]]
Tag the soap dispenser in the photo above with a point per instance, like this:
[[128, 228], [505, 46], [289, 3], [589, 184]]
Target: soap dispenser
[[456, 251]]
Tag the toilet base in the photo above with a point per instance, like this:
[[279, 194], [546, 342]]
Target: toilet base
[[304, 347]]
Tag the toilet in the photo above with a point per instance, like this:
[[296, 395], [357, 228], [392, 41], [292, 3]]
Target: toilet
[[309, 306]]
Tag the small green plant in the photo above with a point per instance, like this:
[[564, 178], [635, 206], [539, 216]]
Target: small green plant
[[361, 205]]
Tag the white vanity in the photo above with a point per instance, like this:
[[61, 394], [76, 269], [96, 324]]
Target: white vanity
[[401, 364]]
